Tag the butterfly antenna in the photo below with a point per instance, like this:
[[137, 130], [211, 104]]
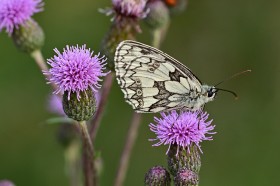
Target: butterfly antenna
[[233, 76], [233, 93]]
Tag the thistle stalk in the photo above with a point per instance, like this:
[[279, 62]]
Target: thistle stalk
[[126, 153], [95, 123], [41, 63], [88, 156]]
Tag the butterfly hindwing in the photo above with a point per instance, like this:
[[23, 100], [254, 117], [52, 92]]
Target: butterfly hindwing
[[151, 80]]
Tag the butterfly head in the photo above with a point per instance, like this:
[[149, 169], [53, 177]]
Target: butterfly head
[[209, 92]]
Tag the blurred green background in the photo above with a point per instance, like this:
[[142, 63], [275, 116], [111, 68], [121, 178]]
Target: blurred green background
[[214, 38]]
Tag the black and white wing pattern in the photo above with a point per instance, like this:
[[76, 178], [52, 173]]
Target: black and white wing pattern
[[151, 80]]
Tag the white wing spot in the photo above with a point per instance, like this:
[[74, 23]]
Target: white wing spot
[[158, 109], [173, 104], [128, 93], [144, 82], [149, 101], [175, 87], [151, 91], [155, 76], [184, 82], [126, 47]]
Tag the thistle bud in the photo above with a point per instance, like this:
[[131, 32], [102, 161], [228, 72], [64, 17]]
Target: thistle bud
[[28, 37], [158, 15], [186, 177], [80, 108], [125, 24], [114, 36], [157, 176], [179, 157]]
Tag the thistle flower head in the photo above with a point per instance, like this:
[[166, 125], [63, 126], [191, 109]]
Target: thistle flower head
[[76, 70], [14, 13], [130, 8], [182, 129]]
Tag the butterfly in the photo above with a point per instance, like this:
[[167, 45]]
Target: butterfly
[[152, 81]]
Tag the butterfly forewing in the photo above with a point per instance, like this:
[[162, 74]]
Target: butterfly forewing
[[151, 80]]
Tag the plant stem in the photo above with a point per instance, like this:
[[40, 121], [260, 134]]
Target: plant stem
[[126, 153], [40, 61], [88, 156], [156, 38], [72, 163], [95, 123], [158, 35]]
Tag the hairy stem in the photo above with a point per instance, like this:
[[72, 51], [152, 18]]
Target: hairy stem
[[126, 153], [88, 156], [95, 123]]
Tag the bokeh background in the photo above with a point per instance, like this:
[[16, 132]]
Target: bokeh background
[[214, 38]]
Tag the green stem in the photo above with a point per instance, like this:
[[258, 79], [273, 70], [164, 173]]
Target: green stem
[[40, 61], [156, 38], [88, 156], [158, 35]]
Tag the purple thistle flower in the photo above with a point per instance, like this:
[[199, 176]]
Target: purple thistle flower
[[76, 70], [6, 183], [130, 8], [182, 129], [14, 13]]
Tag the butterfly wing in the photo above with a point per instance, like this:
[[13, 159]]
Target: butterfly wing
[[151, 80]]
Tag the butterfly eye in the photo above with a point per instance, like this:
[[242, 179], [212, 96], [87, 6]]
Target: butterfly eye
[[210, 93]]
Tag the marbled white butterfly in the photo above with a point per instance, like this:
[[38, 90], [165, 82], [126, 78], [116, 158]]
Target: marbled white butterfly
[[153, 81]]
